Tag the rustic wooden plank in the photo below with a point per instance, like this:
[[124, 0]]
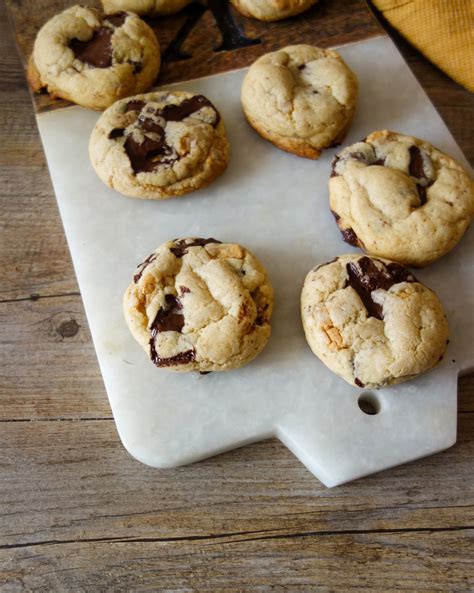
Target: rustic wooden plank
[[49, 368], [33, 253], [416, 561], [328, 23], [68, 481]]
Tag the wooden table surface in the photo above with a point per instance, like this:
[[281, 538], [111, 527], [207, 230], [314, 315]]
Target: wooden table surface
[[79, 514]]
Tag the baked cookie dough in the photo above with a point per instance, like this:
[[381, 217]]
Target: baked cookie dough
[[271, 10], [200, 305], [301, 98], [398, 197], [159, 145], [93, 60], [148, 7], [371, 321]]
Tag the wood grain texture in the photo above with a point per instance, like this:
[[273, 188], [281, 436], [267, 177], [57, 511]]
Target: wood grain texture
[[81, 485], [416, 561], [328, 23], [77, 513]]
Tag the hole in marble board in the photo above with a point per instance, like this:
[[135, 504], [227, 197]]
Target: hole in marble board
[[369, 404]]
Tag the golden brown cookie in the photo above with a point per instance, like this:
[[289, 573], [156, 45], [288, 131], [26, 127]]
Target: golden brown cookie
[[301, 98], [371, 321], [399, 197], [159, 145], [200, 305], [92, 60]]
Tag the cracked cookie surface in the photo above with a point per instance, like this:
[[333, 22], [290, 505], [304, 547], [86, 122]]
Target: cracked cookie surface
[[83, 56], [301, 98], [271, 10], [398, 197], [371, 321], [200, 305], [145, 7], [159, 145]]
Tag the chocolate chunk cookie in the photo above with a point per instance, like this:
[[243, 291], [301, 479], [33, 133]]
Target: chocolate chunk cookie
[[371, 321], [92, 60], [301, 98], [159, 145], [200, 305], [398, 197], [271, 10], [148, 7]]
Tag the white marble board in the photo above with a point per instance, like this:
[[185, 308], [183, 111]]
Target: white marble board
[[277, 205]]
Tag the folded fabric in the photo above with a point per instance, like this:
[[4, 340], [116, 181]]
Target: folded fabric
[[443, 30]]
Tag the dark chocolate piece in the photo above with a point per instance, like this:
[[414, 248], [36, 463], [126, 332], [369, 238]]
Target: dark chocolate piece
[[169, 318], [421, 194], [117, 19], [187, 108], [116, 133], [365, 277], [181, 358], [333, 167], [350, 237], [134, 106], [415, 167], [358, 382], [97, 51], [184, 290], [141, 267], [380, 162], [145, 156], [181, 247]]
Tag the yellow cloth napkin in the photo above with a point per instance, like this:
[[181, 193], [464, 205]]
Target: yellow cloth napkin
[[443, 30]]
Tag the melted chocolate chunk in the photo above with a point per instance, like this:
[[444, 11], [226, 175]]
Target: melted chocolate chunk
[[358, 382], [333, 167], [117, 19], [184, 289], [146, 156], [181, 358], [350, 237], [116, 133], [181, 247], [365, 277], [97, 51], [134, 106], [205, 372], [415, 167], [141, 267], [421, 194], [187, 108], [149, 125], [380, 162], [169, 318]]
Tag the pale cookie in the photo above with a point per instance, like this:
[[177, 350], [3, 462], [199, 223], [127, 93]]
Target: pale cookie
[[399, 197], [301, 98], [159, 145], [371, 321], [145, 7], [271, 10], [200, 305], [92, 60]]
